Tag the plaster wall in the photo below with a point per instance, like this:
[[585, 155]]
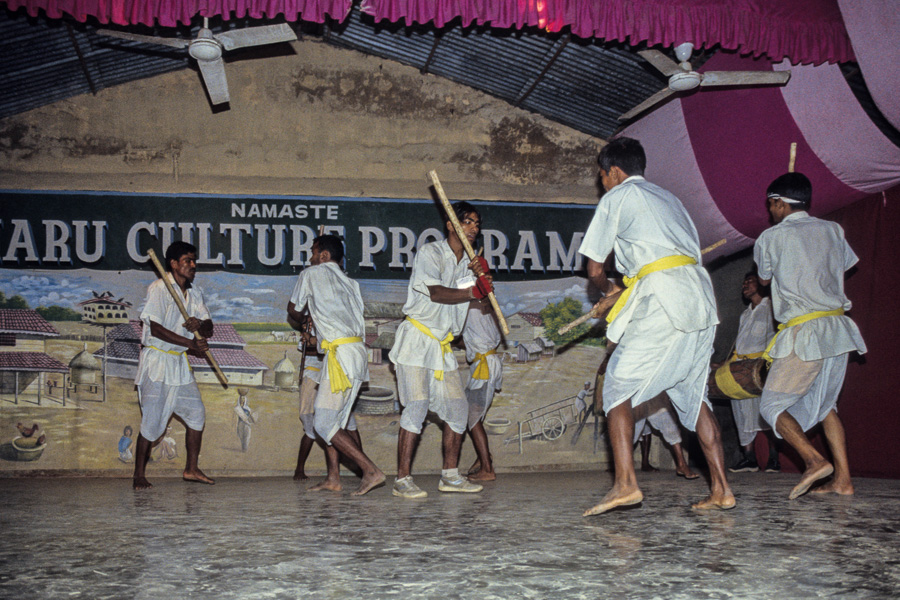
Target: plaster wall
[[316, 120]]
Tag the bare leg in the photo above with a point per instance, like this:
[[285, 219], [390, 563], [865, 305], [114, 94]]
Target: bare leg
[[451, 443], [720, 495], [834, 433], [816, 466], [192, 441], [306, 444], [625, 491], [346, 460], [141, 458], [681, 466], [645, 454], [332, 481], [476, 466], [372, 476], [406, 447], [480, 441]]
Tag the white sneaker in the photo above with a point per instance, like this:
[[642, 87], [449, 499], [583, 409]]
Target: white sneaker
[[459, 484], [405, 488]]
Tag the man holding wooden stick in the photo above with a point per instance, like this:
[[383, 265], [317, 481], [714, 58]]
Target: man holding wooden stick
[[165, 382], [442, 284], [664, 322]]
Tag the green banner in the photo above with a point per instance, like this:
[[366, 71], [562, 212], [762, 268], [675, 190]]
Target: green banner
[[272, 235]]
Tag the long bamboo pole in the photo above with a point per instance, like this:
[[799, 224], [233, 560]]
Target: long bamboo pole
[[451, 215], [180, 304]]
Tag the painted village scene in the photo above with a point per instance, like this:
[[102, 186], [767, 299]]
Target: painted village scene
[[69, 347]]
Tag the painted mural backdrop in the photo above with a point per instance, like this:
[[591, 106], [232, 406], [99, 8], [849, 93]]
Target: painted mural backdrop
[[73, 275]]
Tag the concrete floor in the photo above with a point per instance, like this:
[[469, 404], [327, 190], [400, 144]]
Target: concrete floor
[[523, 537]]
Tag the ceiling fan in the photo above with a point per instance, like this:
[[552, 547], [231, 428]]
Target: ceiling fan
[[682, 77], [207, 49]]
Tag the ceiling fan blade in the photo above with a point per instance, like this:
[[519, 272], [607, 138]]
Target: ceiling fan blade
[[256, 36], [146, 39], [651, 101], [661, 62], [712, 78], [213, 72]]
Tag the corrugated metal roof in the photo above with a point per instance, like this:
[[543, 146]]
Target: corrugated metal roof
[[585, 84]]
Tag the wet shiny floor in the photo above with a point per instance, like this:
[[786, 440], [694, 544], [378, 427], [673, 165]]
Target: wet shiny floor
[[523, 537]]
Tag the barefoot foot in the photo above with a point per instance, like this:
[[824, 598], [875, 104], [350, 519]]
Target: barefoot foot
[[300, 476], [369, 482], [197, 477], [327, 485], [483, 475], [687, 474], [615, 499], [810, 476], [716, 502], [141, 483], [834, 487]]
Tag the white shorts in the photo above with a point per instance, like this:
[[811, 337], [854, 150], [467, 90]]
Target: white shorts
[[160, 401], [420, 392]]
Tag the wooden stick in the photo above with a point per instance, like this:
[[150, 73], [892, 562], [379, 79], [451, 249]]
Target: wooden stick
[[793, 158], [465, 242], [605, 304], [162, 272]]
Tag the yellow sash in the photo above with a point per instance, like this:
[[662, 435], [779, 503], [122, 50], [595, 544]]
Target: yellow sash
[[174, 352], [666, 262], [725, 380], [482, 371], [818, 314], [339, 379], [445, 343]]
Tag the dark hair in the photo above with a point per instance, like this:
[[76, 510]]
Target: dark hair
[[176, 250], [332, 244], [762, 290], [795, 186], [625, 153], [463, 208]]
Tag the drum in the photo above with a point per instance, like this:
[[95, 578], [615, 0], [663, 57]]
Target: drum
[[738, 380]]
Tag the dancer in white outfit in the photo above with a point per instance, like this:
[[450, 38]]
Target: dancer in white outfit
[[805, 259]]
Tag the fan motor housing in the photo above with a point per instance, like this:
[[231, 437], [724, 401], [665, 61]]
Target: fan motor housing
[[205, 48], [680, 82]]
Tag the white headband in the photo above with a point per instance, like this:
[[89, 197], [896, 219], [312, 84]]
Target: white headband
[[784, 199]]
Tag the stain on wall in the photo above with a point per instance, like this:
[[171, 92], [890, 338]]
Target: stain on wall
[[321, 120]]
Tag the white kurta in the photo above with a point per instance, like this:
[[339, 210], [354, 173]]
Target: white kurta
[[336, 306], [665, 330], [482, 335], [806, 258], [157, 363], [756, 328], [434, 264]]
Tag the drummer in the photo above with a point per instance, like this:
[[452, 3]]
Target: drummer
[[757, 326]]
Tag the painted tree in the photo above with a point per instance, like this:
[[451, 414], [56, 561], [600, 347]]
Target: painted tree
[[562, 313]]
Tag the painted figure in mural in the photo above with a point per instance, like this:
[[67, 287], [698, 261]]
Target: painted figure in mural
[[581, 400], [756, 328], [336, 307], [804, 259], [309, 387], [125, 443], [482, 337], [245, 418], [441, 286], [166, 448], [664, 322], [165, 382]]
